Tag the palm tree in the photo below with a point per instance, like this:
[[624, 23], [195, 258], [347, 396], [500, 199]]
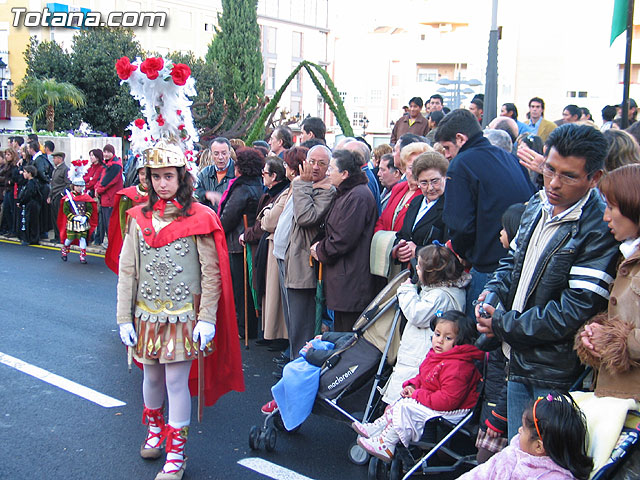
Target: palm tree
[[47, 93]]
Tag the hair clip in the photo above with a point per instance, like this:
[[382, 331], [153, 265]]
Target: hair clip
[[438, 244], [549, 397], [439, 313]]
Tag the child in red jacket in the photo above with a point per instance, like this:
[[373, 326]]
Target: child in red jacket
[[446, 386]]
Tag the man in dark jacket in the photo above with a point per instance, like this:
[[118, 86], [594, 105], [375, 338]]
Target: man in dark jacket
[[483, 181], [558, 276], [43, 177], [214, 179]]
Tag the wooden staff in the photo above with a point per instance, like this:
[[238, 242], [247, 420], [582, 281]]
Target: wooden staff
[[244, 276]]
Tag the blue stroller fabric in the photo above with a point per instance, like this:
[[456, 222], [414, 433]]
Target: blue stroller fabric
[[297, 389]]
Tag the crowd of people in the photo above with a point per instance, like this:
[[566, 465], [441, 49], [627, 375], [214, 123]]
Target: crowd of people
[[35, 179], [513, 234]]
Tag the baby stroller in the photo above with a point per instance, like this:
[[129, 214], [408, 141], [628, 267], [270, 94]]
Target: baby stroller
[[350, 371], [444, 448]]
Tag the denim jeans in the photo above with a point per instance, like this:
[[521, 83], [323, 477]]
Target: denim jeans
[[475, 288], [519, 396]]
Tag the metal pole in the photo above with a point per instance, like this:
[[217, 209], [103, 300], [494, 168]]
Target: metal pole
[[491, 85], [627, 66]]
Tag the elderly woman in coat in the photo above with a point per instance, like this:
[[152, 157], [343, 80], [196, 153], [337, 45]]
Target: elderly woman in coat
[[344, 251]]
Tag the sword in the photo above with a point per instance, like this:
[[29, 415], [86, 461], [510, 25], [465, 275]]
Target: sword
[[74, 207]]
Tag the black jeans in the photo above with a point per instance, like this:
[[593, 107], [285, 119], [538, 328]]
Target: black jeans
[[103, 224]]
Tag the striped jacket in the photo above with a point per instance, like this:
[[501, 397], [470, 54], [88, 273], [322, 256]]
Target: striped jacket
[[569, 285]]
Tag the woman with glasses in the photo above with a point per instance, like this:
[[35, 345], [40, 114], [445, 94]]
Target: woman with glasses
[[423, 222], [265, 267]]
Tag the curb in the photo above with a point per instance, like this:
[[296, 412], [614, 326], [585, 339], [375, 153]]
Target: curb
[[49, 243]]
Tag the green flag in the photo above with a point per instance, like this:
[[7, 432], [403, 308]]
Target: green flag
[[619, 21]]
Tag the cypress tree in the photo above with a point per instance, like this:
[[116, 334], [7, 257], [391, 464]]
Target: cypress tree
[[236, 51]]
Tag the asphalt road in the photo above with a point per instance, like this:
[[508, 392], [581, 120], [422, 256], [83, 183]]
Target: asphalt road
[[60, 317]]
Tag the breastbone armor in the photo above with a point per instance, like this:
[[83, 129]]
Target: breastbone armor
[[169, 279]]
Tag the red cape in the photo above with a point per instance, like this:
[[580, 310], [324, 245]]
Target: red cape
[[62, 218], [114, 234], [223, 368]]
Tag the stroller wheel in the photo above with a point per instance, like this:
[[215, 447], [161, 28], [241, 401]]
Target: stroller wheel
[[377, 469], [254, 438], [279, 424], [395, 472], [358, 455], [270, 437]]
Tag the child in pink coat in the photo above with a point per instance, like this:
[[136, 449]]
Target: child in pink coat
[[550, 445]]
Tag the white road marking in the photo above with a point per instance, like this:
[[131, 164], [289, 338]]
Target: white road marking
[[61, 382], [271, 470]]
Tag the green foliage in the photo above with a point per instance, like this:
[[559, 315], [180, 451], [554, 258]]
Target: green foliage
[[95, 52], [332, 99], [207, 77], [47, 94], [236, 51], [49, 60]]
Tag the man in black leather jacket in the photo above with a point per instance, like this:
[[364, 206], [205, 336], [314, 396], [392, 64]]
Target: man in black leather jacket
[[559, 275]]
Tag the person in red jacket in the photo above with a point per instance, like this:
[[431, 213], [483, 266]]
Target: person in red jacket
[[95, 171], [109, 184], [446, 386]]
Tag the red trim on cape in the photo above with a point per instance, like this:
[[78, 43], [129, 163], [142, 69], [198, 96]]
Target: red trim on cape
[[114, 234], [223, 368], [61, 221]]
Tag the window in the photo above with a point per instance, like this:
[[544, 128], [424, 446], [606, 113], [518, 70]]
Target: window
[[185, 20], [296, 83], [375, 96], [358, 99], [271, 76], [427, 75], [296, 106], [296, 47], [582, 94], [357, 117], [571, 94], [270, 39], [343, 96]]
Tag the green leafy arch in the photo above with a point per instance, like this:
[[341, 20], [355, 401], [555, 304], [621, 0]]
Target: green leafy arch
[[331, 98]]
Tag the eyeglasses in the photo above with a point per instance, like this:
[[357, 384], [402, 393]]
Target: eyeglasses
[[434, 182], [550, 173], [319, 163]]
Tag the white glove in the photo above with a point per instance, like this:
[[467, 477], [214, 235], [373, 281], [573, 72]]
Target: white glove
[[80, 218], [205, 331], [128, 334]]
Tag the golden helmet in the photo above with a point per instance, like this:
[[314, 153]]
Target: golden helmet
[[165, 154]]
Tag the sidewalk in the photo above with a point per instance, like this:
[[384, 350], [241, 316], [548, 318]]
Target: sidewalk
[[49, 243]]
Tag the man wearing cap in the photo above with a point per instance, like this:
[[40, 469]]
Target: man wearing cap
[[59, 183], [413, 123]]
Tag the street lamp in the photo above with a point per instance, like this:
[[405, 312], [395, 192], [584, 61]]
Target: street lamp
[[455, 93], [364, 123]]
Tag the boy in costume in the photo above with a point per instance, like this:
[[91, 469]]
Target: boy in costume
[[77, 217]]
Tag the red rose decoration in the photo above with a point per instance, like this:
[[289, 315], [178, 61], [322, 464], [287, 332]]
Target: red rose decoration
[[75, 163], [85, 162], [139, 123], [146, 139], [179, 112], [181, 126], [124, 68], [180, 73], [160, 120], [151, 66]]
